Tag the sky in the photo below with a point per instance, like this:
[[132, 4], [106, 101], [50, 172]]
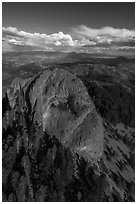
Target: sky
[[69, 26]]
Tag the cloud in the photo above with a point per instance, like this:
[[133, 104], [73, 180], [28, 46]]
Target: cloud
[[40, 41], [81, 38], [105, 30], [104, 37]]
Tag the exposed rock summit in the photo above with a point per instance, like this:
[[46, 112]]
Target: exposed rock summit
[[59, 101], [56, 147]]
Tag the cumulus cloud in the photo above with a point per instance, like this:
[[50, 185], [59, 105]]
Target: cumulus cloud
[[109, 31], [104, 37], [40, 41], [80, 38]]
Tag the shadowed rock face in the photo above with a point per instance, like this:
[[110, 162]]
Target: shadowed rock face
[[61, 104]]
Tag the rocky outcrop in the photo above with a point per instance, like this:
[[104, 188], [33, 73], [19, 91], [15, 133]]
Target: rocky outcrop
[[56, 147], [59, 101]]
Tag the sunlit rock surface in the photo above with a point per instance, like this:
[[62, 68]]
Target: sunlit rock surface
[[61, 104]]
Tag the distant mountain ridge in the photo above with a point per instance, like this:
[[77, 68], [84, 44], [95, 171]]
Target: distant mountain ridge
[[69, 54]]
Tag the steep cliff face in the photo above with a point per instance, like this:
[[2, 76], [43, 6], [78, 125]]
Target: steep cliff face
[[56, 147]]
